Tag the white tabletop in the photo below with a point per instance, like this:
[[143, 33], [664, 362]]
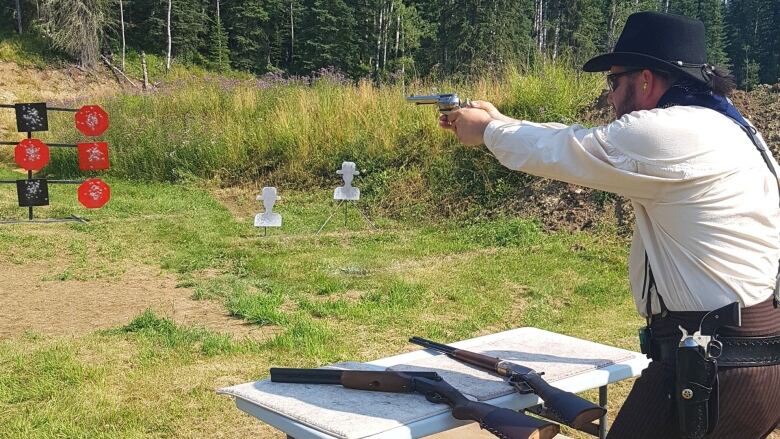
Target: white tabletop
[[251, 400]]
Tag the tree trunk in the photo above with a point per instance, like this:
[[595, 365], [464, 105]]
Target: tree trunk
[[397, 33], [384, 33], [292, 34], [379, 38], [19, 16], [541, 28], [168, 57], [220, 47], [143, 67], [122, 20], [611, 27], [403, 61]]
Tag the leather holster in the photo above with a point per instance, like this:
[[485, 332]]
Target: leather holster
[[696, 393]]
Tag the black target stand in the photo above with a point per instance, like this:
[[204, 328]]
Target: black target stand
[[32, 155]]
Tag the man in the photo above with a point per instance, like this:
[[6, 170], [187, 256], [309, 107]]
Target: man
[[707, 228]]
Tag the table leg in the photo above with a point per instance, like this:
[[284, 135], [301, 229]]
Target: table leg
[[603, 420]]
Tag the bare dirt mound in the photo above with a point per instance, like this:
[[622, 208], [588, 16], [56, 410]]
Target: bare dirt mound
[[67, 86], [31, 301], [762, 107]]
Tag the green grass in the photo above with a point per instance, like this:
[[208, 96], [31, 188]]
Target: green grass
[[351, 293], [29, 49]]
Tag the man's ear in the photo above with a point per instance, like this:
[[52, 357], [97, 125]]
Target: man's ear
[[648, 81]]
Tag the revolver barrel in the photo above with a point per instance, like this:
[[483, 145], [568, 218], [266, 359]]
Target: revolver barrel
[[447, 102]]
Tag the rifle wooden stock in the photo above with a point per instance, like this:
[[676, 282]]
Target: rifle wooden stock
[[539, 410], [504, 423], [571, 409]]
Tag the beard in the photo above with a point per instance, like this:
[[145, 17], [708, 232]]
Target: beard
[[627, 104]]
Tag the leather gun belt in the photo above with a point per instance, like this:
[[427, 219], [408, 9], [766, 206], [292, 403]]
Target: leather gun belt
[[737, 351]]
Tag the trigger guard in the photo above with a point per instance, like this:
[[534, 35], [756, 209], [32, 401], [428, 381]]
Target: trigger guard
[[521, 386], [434, 398], [717, 347]]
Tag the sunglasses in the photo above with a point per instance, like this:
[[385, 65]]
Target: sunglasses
[[612, 78]]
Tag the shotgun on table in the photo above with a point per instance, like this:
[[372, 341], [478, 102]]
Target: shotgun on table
[[502, 422], [559, 405]]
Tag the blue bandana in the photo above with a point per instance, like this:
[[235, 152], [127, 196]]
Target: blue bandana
[[683, 94]]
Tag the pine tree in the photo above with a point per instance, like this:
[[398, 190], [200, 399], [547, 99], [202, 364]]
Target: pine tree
[[76, 27], [742, 24], [711, 13], [283, 34], [765, 43], [191, 23], [245, 22], [618, 11], [219, 54], [146, 24], [327, 35]]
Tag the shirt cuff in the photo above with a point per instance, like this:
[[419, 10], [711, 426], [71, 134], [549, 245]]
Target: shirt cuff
[[490, 137]]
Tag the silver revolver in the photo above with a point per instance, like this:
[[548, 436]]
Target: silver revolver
[[447, 102]]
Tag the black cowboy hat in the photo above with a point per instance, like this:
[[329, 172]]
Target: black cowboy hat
[[653, 40]]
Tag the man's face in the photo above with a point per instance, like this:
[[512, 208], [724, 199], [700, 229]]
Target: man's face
[[622, 86]]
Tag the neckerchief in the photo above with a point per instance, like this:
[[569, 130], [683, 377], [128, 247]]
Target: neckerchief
[[681, 94]]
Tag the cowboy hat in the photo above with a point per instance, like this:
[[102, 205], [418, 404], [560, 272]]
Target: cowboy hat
[[657, 41]]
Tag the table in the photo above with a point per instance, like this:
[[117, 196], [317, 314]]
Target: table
[[333, 412]]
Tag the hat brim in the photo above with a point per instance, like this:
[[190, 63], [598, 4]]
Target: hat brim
[[604, 62]]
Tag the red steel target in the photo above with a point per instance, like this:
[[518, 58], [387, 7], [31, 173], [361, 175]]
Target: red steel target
[[91, 120], [93, 156], [94, 193], [31, 154]]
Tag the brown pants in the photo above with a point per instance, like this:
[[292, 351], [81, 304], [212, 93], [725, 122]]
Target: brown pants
[[749, 405], [749, 396]]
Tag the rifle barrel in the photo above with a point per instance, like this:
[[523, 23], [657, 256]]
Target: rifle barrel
[[306, 376], [432, 345], [473, 358]]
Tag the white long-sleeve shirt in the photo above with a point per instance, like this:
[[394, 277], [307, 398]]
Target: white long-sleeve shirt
[[706, 204]]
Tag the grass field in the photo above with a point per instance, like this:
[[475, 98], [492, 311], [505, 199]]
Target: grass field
[[350, 293]]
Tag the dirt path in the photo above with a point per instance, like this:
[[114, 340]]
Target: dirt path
[[30, 301]]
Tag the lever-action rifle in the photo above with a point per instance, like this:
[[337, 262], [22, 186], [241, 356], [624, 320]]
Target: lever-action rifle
[[502, 422], [560, 406]]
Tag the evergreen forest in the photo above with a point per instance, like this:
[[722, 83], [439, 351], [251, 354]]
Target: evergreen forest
[[385, 39]]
